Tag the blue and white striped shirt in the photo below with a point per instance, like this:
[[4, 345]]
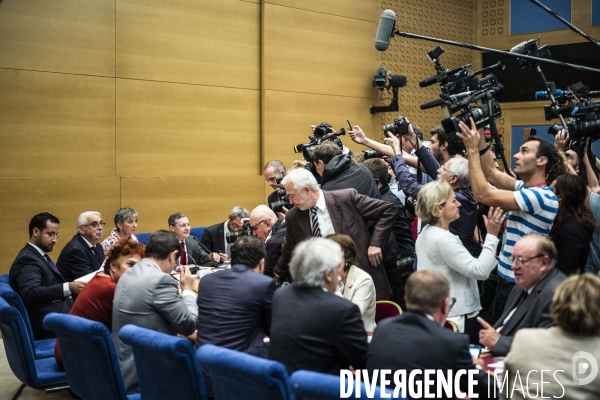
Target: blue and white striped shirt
[[539, 206]]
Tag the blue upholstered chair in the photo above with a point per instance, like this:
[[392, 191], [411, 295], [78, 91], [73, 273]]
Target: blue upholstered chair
[[165, 364], [42, 348], [4, 278], [41, 373], [308, 385], [237, 375], [89, 357]]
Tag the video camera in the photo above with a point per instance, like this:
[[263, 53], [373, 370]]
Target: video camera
[[284, 201], [577, 104], [462, 89], [321, 134]]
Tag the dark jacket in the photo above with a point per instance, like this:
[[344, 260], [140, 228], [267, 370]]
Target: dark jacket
[[77, 259], [402, 231], [273, 246], [316, 330], [213, 238], [412, 341], [40, 288], [340, 173]]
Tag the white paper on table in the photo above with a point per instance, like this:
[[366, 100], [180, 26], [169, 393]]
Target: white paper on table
[[87, 278]]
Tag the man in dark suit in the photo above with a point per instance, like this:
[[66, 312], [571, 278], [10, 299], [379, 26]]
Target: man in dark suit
[[273, 170], [192, 253], [83, 254], [271, 230], [34, 276], [312, 328], [213, 237], [528, 305], [417, 340], [321, 213], [234, 305]]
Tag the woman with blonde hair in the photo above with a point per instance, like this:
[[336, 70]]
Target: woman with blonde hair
[[438, 249]]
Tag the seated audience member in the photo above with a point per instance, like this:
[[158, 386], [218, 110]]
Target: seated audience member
[[271, 231], [126, 220], [83, 254], [575, 309], [321, 213], [191, 252], [148, 296], [311, 327], [273, 169], [234, 305], [528, 305], [96, 300], [573, 226], [34, 276], [438, 249], [417, 339], [213, 237], [355, 285], [338, 172]]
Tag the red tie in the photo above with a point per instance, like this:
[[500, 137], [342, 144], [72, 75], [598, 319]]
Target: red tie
[[183, 258]]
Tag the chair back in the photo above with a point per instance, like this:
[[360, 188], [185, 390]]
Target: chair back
[[451, 325], [309, 385], [4, 278], [166, 365], [37, 373], [237, 375], [386, 309], [42, 348], [89, 357]]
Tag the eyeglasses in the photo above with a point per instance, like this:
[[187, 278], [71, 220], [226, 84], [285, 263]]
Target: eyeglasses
[[256, 226], [95, 224], [235, 226], [53, 234], [452, 302], [522, 260]]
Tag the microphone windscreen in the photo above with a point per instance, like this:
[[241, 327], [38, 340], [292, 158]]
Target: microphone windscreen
[[385, 29], [432, 103]]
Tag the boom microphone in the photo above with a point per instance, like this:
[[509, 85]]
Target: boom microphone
[[543, 95], [523, 47], [433, 103], [387, 22]]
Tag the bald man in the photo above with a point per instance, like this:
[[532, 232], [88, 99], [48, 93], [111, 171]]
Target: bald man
[[271, 230]]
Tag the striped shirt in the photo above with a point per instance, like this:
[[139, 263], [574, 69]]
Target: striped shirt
[[539, 206]]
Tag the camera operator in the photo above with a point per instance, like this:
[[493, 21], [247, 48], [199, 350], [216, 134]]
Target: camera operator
[[338, 172], [455, 171], [271, 231], [273, 169], [213, 237], [444, 146], [570, 157]]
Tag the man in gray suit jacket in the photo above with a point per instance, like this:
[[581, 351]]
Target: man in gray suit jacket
[[147, 296], [528, 305], [340, 211]]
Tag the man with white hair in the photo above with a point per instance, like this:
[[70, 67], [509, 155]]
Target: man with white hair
[[311, 327], [271, 231], [83, 254], [320, 213]]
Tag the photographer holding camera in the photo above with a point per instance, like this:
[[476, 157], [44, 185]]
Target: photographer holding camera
[[338, 172], [214, 238], [274, 170]]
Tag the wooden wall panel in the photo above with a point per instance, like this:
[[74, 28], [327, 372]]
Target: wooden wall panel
[[166, 129], [70, 36], [56, 124], [310, 52], [66, 198], [206, 42], [206, 200], [356, 9], [289, 116]]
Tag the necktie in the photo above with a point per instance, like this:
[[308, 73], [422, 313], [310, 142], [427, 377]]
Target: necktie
[[51, 263], [316, 231], [183, 258]]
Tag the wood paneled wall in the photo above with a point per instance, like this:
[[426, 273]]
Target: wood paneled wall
[[175, 105], [492, 30]]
